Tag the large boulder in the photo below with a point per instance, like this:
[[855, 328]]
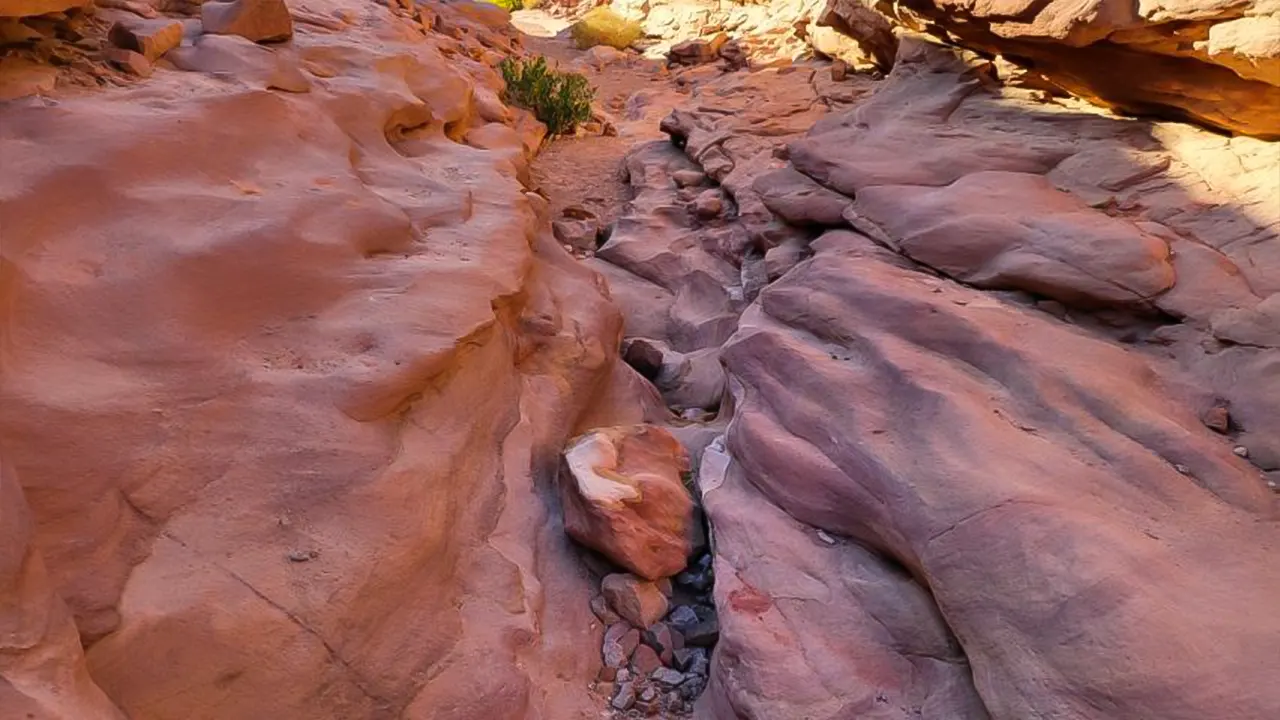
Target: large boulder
[[1216, 62], [623, 495]]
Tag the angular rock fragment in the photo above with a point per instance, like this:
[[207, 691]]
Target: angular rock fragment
[[600, 607], [638, 602], [129, 61], [620, 641], [644, 661], [150, 38], [660, 637]]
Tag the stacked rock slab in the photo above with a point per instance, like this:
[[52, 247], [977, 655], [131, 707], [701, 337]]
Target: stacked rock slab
[[1215, 62]]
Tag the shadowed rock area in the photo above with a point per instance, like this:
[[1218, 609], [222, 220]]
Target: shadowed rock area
[[852, 360]]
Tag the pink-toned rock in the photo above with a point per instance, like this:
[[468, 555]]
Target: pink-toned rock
[[1073, 511], [623, 495], [1143, 206], [600, 608], [645, 660], [796, 198], [257, 414], [42, 668], [871, 636], [129, 61], [1098, 453], [660, 637], [638, 602], [1217, 62], [258, 20], [248, 62], [620, 641], [1006, 230]]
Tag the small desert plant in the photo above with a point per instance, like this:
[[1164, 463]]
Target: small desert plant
[[508, 5], [603, 26], [561, 100]]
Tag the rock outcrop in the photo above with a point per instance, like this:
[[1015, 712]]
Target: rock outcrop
[[1212, 61]]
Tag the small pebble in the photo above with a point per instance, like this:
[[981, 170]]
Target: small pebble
[[824, 537], [1241, 450]]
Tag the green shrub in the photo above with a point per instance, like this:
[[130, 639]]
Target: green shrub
[[561, 100], [603, 26], [511, 5]]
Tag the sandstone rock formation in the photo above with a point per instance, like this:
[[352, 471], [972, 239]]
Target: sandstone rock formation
[[42, 669], [1041, 452], [979, 382], [285, 377], [1084, 564], [1214, 61], [622, 494]]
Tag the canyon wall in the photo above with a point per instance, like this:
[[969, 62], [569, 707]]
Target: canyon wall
[[980, 382]]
